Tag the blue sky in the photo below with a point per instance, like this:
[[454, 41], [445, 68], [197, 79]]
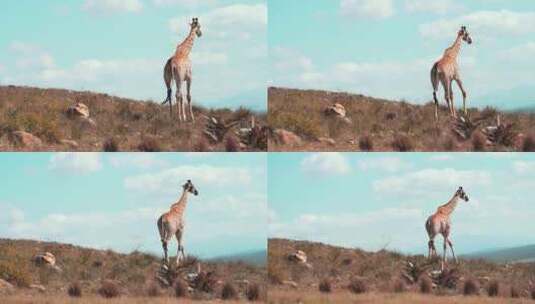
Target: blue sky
[[120, 47], [386, 48], [113, 200], [379, 200]]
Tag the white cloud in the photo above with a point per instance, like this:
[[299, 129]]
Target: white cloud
[[185, 3], [112, 6], [325, 163], [30, 56], [523, 167], [375, 9], [439, 7], [236, 21], [168, 181], [77, 163], [482, 25], [388, 164], [339, 228], [429, 181], [136, 160]]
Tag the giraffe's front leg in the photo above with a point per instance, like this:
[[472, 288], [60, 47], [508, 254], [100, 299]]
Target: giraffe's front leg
[[450, 90], [463, 91], [179, 99], [180, 248]]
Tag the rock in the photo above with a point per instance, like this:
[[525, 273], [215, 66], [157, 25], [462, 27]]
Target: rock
[[78, 110], [6, 287], [38, 287], [71, 143], [336, 109], [25, 139], [290, 283], [46, 258], [327, 140], [299, 256], [285, 137]]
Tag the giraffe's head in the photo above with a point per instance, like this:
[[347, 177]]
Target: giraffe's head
[[189, 187], [196, 27], [461, 194], [463, 32]]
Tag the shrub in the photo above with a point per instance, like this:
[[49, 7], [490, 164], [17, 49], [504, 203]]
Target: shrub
[[402, 143], [493, 289], [399, 286], [15, 273], [325, 286], [366, 143], [532, 293], [181, 289], [110, 145], [529, 144], [109, 290], [425, 284], [449, 144], [471, 287], [75, 290], [205, 282], [478, 143], [253, 292], [515, 293], [201, 146], [229, 292], [149, 144], [232, 144], [153, 291], [358, 286]]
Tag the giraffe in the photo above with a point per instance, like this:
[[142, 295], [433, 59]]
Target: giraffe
[[439, 223], [178, 68], [446, 70], [172, 222]]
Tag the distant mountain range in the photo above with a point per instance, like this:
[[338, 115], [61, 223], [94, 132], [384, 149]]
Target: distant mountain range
[[514, 254], [257, 258]]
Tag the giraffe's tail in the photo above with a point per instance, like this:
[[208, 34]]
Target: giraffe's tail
[[434, 78], [168, 78]]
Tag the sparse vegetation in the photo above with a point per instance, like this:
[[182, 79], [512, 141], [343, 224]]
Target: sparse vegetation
[[358, 285], [229, 292], [514, 292], [109, 289], [232, 144], [425, 284], [471, 287], [149, 144], [75, 290], [253, 292], [493, 289], [399, 286], [478, 143], [154, 291], [116, 123], [386, 122], [529, 144], [181, 289], [325, 286], [366, 143]]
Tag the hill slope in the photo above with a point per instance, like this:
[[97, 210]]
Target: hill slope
[[380, 271], [515, 254], [258, 258], [129, 124], [134, 273], [383, 125]]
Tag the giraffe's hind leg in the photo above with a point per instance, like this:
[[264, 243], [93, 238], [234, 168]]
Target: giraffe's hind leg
[[452, 251], [180, 255], [188, 84], [463, 91]]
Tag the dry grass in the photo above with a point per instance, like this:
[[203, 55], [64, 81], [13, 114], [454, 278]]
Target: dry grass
[[385, 272], [315, 297], [133, 275], [302, 112], [47, 299], [127, 123]]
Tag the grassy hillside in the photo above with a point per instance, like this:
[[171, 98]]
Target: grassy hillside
[[133, 274], [384, 125], [120, 124], [515, 254], [381, 277]]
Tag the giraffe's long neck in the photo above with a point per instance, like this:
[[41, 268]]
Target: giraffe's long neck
[[184, 49], [179, 207], [454, 49], [450, 206]]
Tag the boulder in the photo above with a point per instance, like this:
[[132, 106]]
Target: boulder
[[38, 287], [78, 110], [327, 140], [337, 110], [299, 256], [285, 137], [6, 287], [71, 143], [290, 284], [25, 139], [46, 258]]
